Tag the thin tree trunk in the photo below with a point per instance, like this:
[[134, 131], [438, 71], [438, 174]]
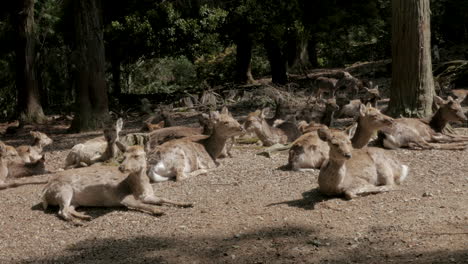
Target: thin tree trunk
[[244, 59], [92, 104], [278, 62], [29, 107], [297, 52], [412, 88]]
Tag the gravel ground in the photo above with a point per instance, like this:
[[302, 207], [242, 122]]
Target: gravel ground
[[248, 211]]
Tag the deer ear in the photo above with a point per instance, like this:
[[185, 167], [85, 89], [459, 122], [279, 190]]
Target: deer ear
[[439, 101], [121, 146], [362, 109], [264, 112], [119, 124], [2, 148], [324, 134], [214, 115], [34, 133], [368, 105], [224, 111]]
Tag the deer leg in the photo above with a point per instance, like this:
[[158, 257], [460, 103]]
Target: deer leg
[[130, 202], [79, 215], [152, 199], [64, 197], [366, 190]]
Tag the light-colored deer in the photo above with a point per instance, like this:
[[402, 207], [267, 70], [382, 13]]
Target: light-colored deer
[[186, 157], [269, 135], [13, 168], [95, 150], [354, 172], [309, 152], [416, 133], [33, 152], [105, 186]]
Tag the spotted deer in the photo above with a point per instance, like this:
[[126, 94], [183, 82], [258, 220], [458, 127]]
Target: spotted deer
[[95, 150], [105, 186], [417, 133], [186, 157], [354, 172]]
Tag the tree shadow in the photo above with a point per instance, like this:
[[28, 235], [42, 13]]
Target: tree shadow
[[309, 200]]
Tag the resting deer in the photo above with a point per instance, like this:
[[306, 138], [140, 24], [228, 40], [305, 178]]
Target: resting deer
[[96, 149], [148, 126], [421, 134], [269, 135], [309, 152], [355, 172], [323, 111], [13, 168], [105, 186], [183, 158], [33, 152], [325, 85]]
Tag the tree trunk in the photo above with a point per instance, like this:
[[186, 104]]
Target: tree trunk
[[29, 107], [412, 88], [92, 109], [244, 59], [297, 52], [278, 62]]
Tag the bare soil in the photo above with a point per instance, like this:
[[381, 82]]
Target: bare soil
[[249, 211]]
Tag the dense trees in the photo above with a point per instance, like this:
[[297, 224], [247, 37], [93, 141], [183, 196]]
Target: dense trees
[[177, 47]]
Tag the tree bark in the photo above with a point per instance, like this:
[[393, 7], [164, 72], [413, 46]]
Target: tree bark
[[412, 87], [312, 52], [92, 109], [278, 61], [244, 59], [297, 52], [29, 107]]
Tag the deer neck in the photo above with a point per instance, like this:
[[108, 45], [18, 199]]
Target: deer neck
[[137, 182], [327, 118], [331, 176], [438, 122], [214, 144], [37, 144], [362, 135]]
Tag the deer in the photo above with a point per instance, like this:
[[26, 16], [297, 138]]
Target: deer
[[310, 152], [323, 111], [33, 152], [269, 135], [148, 126], [95, 150], [350, 108], [188, 157], [325, 84], [356, 172], [13, 168], [105, 186], [416, 133]]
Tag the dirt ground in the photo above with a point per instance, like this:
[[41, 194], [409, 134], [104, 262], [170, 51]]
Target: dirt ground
[[249, 211]]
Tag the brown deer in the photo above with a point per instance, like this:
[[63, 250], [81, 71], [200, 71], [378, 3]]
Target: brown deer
[[416, 133], [33, 152], [105, 186], [186, 157], [148, 126], [325, 85], [12, 169], [354, 172], [309, 152], [269, 135], [95, 150]]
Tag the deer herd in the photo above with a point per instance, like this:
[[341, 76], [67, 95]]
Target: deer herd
[[348, 166]]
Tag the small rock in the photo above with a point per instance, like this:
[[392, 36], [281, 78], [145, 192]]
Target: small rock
[[427, 194]]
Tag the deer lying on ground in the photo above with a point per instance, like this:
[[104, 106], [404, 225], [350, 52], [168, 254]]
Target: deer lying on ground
[[309, 152], [325, 85], [13, 168], [322, 111], [33, 152], [350, 108], [95, 150], [269, 135], [421, 134], [148, 126], [105, 186], [186, 157], [353, 172]]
